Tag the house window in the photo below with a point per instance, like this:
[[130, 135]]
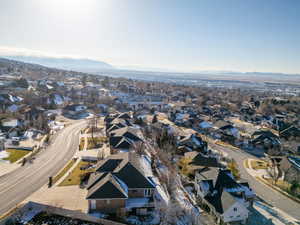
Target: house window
[[93, 204], [108, 202], [235, 209], [147, 192]]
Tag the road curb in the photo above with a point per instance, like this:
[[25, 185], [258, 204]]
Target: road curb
[[278, 189], [261, 180]]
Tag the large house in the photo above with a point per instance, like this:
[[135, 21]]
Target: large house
[[74, 110], [267, 141], [192, 142], [120, 185], [227, 199], [123, 139]]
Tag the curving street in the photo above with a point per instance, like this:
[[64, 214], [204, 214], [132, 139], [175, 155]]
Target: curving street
[[269, 195], [22, 182]]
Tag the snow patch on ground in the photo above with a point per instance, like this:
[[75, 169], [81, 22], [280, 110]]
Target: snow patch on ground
[[277, 216]]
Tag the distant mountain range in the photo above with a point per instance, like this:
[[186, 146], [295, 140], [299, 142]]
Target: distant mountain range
[[64, 63]]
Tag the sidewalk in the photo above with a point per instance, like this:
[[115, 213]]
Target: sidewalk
[[68, 197]]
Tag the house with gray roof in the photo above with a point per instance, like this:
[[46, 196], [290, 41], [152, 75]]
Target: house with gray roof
[[227, 199], [120, 185]]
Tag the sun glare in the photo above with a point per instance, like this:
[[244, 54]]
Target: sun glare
[[68, 7]]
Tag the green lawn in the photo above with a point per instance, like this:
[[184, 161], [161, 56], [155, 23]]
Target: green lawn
[[75, 175], [81, 144], [62, 173], [15, 155], [259, 165]]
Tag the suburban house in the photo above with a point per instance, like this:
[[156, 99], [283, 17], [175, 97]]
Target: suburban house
[[287, 167], [120, 186], [32, 113], [11, 126], [267, 141], [226, 199], [199, 160], [289, 133], [74, 110], [116, 124], [123, 139], [192, 142]]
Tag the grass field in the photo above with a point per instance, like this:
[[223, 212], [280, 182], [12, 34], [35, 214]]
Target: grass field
[[81, 144], [224, 144], [62, 173], [258, 165], [15, 155], [74, 177]]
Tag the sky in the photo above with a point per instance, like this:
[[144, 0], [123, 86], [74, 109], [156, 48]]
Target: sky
[[191, 35]]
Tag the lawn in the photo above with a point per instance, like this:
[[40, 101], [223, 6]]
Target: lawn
[[258, 165], [75, 175], [62, 173], [95, 142], [15, 155], [224, 144], [81, 144]]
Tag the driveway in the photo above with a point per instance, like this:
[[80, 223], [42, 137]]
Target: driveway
[[269, 195], [22, 182]]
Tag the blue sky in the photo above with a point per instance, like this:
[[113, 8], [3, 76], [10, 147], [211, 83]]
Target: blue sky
[[191, 35]]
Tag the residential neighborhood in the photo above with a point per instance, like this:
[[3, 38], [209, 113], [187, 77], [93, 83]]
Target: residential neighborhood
[[125, 151]]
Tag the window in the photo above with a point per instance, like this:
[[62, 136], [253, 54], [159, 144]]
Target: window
[[93, 204], [235, 209], [147, 192]]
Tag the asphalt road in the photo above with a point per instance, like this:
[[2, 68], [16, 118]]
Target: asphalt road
[[266, 193], [22, 182]]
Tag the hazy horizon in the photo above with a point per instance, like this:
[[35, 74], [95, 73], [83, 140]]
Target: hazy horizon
[[252, 36]]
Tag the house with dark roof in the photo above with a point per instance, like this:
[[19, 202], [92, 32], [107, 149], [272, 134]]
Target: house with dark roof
[[192, 142], [74, 110], [227, 199], [289, 133], [123, 139], [199, 160], [120, 185], [267, 141]]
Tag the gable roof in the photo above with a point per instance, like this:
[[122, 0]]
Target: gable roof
[[201, 160], [107, 188], [225, 180], [128, 132], [221, 201], [127, 167]]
